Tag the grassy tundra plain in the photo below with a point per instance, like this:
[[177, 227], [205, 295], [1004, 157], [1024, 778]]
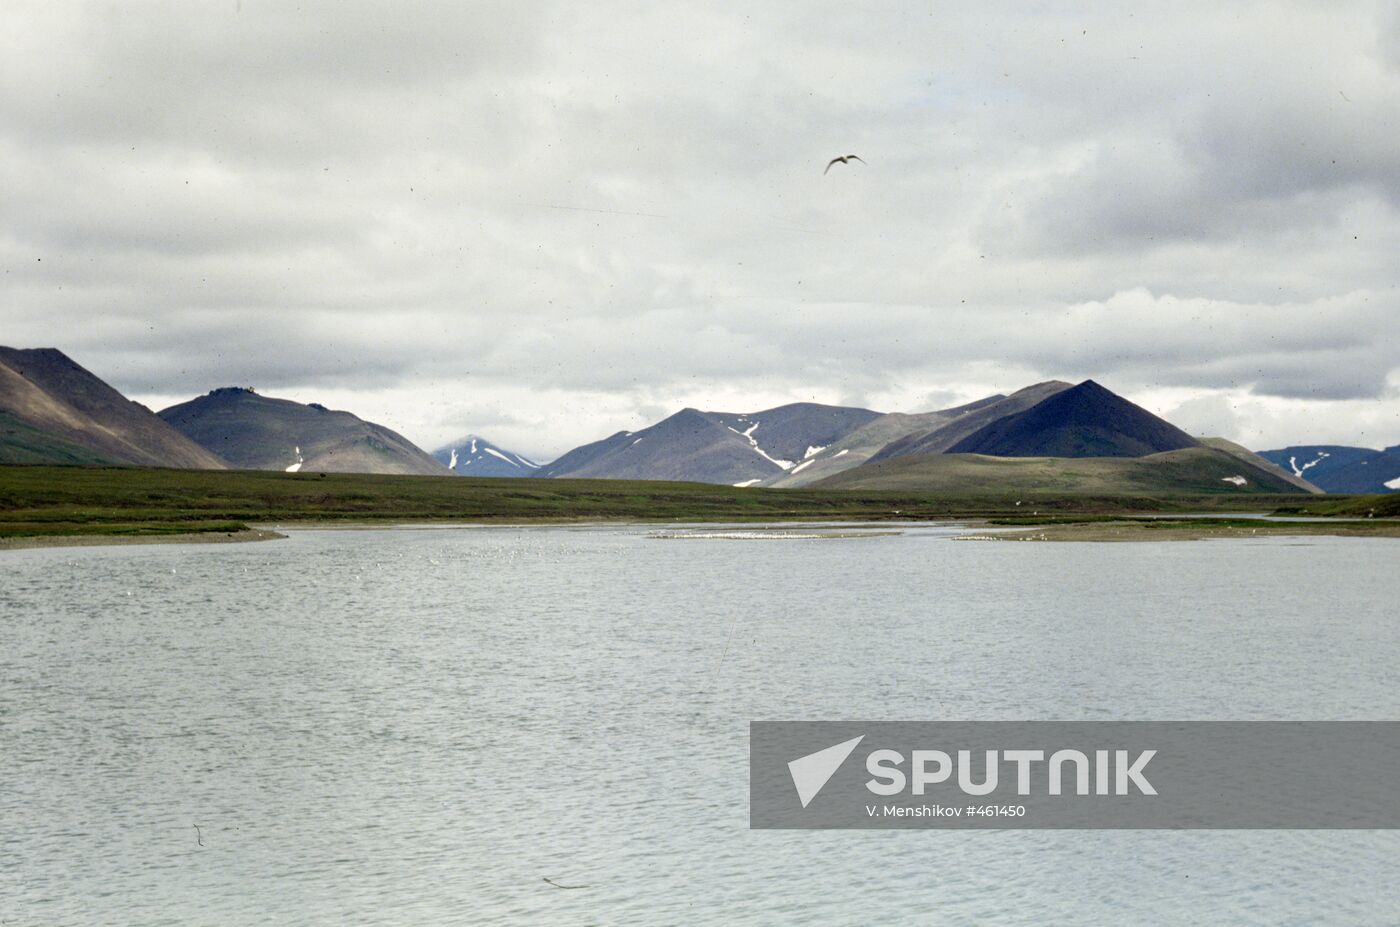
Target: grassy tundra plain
[[70, 502]]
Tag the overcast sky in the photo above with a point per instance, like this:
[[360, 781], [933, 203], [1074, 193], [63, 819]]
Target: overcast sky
[[547, 222]]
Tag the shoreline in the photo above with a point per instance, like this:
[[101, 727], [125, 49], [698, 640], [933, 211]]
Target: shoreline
[[979, 529], [1168, 531], [831, 528], [34, 542]]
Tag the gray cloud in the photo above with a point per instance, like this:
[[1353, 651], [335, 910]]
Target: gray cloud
[[548, 221]]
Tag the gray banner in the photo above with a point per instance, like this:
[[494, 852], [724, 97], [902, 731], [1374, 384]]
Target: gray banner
[[1074, 774]]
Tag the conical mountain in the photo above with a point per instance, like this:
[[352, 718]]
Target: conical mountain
[[1084, 421]]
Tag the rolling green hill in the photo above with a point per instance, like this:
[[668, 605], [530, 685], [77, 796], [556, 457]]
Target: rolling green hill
[[1263, 463], [22, 443], [860, 445], [1191, 470]]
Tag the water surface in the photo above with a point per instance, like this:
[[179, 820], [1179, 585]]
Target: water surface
[[419, 726]]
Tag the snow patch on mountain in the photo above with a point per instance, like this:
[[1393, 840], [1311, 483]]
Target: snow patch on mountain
[[1298, 471], [483, 458], [753, 443]]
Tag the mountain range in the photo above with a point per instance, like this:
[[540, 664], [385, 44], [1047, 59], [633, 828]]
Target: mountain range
[[1053, 436], [475, 456], [254, 432], [1047, 435], [832, 446], [54, 411], [739, 448]]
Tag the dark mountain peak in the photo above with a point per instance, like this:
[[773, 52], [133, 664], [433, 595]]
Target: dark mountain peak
[[968, 419], [1086, 420], [687, 420], [64, 406], [37, 355], [48, 367], [1088, 391], [1087, 395], [265, 433]]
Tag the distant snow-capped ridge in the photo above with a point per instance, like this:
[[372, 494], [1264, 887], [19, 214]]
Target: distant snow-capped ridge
[[1341, 468], [473, 455]]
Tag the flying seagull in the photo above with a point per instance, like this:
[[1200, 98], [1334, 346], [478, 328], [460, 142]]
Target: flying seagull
[[843, 159]]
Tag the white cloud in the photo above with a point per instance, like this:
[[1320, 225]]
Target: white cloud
[[535, 223]]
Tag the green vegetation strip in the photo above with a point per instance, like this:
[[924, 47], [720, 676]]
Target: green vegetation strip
[[44, 500], [1387, 506]]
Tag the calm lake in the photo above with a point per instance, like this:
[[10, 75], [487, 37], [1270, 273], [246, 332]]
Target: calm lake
[[418, 727]]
